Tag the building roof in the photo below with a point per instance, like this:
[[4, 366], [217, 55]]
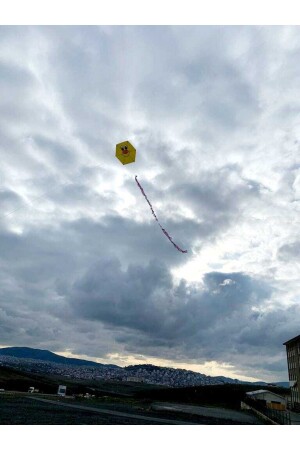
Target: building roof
[[295, 339], [263, 391], [259, 391]]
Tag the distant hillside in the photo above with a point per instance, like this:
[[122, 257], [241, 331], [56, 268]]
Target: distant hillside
[[284, 384], [150, 368], [46, 355], [34, 361]]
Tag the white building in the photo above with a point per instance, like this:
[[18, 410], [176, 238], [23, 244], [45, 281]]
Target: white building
[[62, 390], [271, 400]]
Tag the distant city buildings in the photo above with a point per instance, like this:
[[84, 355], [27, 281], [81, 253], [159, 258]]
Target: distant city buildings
[[293, 361], [145, 373]]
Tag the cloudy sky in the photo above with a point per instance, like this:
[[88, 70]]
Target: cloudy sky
[[85, 270]]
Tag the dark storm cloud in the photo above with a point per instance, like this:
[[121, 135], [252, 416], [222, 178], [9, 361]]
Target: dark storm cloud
[[59, 251], [36, 269], [169, 312], [39, 265], [214, 321], [137, 302]]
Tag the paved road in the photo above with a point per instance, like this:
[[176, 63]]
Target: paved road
[[154, 420], [217, 413]]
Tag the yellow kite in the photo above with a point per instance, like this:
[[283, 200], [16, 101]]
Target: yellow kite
[[125, 152]]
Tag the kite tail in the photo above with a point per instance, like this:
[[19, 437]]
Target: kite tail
[[143, 192], [152, 210]]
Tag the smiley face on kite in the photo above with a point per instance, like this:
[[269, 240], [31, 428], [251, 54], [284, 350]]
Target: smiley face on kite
[[125, 152]]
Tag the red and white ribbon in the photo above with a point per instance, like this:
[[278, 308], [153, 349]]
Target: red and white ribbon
[[152, 210]]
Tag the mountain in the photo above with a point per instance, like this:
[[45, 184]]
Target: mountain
[[148, 373], [284, 384], [47, 356]]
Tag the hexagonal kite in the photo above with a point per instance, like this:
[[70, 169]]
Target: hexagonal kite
[[125, 152]]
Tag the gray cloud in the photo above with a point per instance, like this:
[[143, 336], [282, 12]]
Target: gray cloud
[[214, 321], [212, 112], [289, 251], [9, 201]]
